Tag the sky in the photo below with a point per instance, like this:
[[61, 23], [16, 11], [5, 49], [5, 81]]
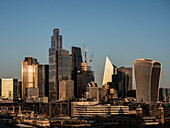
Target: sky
[[123, 30]]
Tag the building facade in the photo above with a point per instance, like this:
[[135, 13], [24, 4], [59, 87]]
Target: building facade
[[59, 65], [76, 60], [9, 89], [29, 74], [147, 79], [109, 70], [66, 89], [43, 80]]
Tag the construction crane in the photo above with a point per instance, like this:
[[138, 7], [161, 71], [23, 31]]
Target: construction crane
[[91, 59], [86, 50]]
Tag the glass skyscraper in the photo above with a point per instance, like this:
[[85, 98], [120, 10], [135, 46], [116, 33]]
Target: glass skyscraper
[[59, 65]]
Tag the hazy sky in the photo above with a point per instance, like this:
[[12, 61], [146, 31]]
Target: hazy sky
[[123, 30]]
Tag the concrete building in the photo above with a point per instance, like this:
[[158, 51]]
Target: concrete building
[[66, 89], [9, 89], [29, 74], [147, 79], [93, 91], [89, 109]]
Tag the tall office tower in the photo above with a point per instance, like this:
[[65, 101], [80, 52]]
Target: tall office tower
[[109, 70], [59, 65], [124, 81], [75, 65], [147, 79], [43, 80], [9, 89], [29, 75]]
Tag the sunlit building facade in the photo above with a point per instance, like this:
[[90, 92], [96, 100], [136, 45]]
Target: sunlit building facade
[[29, 74], [109, 70], [147, 79], [9, 89]]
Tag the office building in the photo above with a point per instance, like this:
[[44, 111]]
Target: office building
[[76, 61], [29, 75], [43, 80], [66, 89], [84, 77], [59, 65], [89, 109], [9, 89], [124, 81], [109, 70], [147, 79], [93, 91]]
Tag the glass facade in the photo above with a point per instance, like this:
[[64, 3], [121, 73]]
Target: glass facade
[[43, 77], [29, 74], [59, 65]]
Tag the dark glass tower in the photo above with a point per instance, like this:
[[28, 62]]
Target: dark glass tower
[[76, 66], [43, 78]]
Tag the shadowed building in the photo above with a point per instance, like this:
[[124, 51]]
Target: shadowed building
[[75, 66], [125, 81], [43, 78], [147, 78]]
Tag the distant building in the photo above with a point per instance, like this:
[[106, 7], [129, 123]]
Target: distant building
[[89, 109], [9, 89], [66, 89], [93, 91], [43, 80], [76, 61], [84, 77], [29, 74], [122, 81], [109, 70], [147, 79], [164, 94]]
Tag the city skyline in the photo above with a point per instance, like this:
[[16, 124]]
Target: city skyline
[[110, 29]]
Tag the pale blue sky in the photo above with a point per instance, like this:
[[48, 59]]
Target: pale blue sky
[[123, 30]]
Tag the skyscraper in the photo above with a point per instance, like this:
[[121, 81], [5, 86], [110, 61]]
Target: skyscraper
[[56, 44], [147, 79], [59, 65], [109, 70], [76, 61], [29, 74], [43, 80]]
